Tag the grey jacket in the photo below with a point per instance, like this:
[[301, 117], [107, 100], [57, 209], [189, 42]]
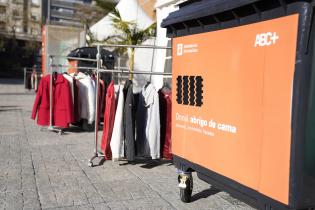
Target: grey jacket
[[148, 123], [129, 121]]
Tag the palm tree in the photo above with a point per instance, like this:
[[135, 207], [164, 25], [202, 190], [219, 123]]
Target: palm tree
[[128, 34]]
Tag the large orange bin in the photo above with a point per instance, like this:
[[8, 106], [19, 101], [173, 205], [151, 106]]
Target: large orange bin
[[244, 109]]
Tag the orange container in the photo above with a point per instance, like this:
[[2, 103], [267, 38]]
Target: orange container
[[243, 110]]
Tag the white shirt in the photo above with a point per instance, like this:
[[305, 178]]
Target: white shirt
[[117, 140], [70, 80], [87, 97]]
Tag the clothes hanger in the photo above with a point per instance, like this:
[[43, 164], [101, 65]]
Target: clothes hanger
[[146, 85], [166, 86], [54, 74]]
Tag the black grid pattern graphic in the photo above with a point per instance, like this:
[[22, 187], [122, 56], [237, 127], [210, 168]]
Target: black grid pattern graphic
[[189, 90]]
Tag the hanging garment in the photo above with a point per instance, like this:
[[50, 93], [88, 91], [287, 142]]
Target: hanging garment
[[70, 80], [102, 95], [148, 123], [117, 140], [28, 82], [77, 101], [33, 80], [87, 97], [61, 101], [71, 83], [165, 96], [39, 77], [129, 121], [109, 117]]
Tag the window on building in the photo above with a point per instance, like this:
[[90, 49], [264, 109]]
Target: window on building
[[17, 1], [2, 10], [19, 29], [34, 31], [35, 2], [16, 13], [4, 1], [34, 17], [63, 10], [2, 26]]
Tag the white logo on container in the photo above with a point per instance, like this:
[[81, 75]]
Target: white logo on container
[[179, 49], [266, 39]]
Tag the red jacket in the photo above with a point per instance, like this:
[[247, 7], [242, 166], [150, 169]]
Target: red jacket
[[62, 102], [109, 117], [166, 121]]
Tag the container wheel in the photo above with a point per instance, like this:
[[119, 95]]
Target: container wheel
[[185, 192]]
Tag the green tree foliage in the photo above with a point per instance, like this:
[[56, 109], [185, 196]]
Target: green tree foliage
[[128, 34], [106, 5], [89, 15]]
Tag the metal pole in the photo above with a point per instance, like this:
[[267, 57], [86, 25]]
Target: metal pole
[[98, 57], [136, 72], [48, 13], [51, 92], [24, 77], [152, 62], [118, 62], [136, 46]]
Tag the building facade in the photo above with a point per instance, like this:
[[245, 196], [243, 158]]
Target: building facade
[[21, 18], [148, 7], [62, 12]]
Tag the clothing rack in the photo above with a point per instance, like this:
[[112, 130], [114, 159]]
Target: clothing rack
[[99, 70], [51, 127], [121, 70], [52, 66]]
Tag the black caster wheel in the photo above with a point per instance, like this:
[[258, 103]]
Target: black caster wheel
[[91, 164], [185, 192]]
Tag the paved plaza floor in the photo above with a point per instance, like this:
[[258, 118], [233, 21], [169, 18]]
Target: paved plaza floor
[[43, 170]]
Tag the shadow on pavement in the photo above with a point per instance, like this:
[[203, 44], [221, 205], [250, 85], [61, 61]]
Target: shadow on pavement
[[204, 194], [74, 129], [9, 108], [7, 81], [154, 163], [148, 163]]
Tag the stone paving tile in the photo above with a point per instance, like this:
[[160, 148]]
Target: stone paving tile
[[101, 206], [13, 200], [30, 200], [28, 182], [47, 198], [92, 194], [70, 196], [42, 170], [81, 207]]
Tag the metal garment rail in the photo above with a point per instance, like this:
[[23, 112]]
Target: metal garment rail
[[136, 46], [51, 67], [74, 67], [96, 153], [99, 69], [115, 70]]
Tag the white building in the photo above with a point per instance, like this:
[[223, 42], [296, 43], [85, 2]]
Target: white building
[[145, 59]]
